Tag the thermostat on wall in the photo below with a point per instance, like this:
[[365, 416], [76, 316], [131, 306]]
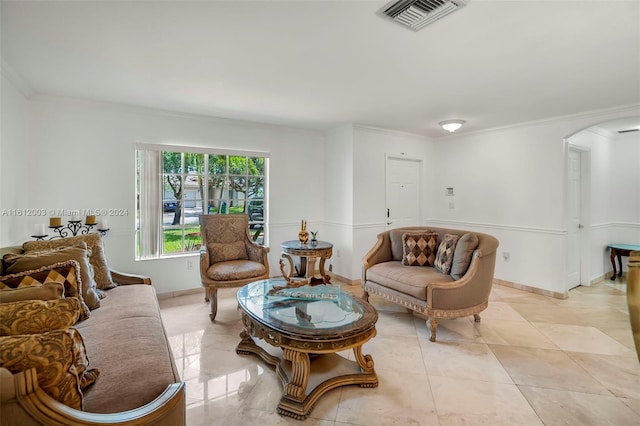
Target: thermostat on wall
[[449, 191]]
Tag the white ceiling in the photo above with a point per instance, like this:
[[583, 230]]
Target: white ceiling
[[319, 64]]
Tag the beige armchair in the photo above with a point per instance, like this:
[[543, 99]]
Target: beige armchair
[[424, 289], [228, 257]]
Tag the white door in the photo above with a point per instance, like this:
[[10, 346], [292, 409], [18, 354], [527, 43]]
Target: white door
[[575, 224], [403, 192]]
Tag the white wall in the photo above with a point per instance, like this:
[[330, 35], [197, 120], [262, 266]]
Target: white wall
[[338, 198], [615, 193], [371, 146], [355, 190], [84, 158], [510, 183], [14, 164]]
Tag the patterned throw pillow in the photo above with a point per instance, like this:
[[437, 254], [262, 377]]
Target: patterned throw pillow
[[59, 358], [418, 249], [79, 253], [444, 257], [48, 291], [98, 260], [66, 273], [224, 252], [38, 316]]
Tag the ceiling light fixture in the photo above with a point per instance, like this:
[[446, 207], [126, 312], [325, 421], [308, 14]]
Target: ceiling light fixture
[[451, 125]]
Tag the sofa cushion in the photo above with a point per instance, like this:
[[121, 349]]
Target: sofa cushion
[[444, 256], [53, 355], [419, 248], [395, 239], [223, 252], [50, 290], [38, 316], [98, 259], [66, 273], [406, 279], [235, 270], [125, 338], [79, 253], [462, 255]]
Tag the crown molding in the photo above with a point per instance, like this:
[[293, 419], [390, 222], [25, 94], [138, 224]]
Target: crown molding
[[15, 79], [601, 132], [597, 113], [393, 132]]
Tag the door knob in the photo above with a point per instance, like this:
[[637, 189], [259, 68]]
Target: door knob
[[580, 226]]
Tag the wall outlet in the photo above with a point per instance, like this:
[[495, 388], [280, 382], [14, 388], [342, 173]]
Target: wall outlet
[[338, 253], [189, 264], [452, 205], [506, 255]]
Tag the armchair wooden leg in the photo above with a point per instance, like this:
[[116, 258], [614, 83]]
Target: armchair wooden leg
[[433, 324], [476, 317], [213, 301], [365, 296], [206, 294]]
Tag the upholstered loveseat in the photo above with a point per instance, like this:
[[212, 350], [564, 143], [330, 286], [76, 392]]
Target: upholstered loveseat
[[125, 341], [462, 290]]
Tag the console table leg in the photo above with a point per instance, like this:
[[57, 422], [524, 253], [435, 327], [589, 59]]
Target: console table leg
[[300, 366], [619, 263], [613, 264]]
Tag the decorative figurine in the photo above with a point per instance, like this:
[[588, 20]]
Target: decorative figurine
[[314, 240], [303, 235]]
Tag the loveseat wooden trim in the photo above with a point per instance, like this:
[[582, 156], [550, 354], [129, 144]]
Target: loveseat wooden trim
[[167, 409]]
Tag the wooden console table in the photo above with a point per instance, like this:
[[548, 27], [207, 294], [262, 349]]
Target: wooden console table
[[619, 250]]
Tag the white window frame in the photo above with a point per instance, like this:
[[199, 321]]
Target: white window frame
[[150, 195]]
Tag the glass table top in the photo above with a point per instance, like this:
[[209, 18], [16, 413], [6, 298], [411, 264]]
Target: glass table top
[[296, 245], [327, 313]]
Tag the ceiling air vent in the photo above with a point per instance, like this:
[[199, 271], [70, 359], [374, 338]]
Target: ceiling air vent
[[417, 14], [628, 131]]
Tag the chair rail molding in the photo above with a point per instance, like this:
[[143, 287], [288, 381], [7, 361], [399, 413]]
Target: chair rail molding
[[519, 228]]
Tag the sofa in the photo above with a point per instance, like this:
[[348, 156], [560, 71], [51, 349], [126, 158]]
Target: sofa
[[437, 272], [125, 345]]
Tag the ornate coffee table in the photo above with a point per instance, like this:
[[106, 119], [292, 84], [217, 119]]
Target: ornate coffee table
[[300, 338]]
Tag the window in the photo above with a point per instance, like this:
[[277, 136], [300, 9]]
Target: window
[[175, 185]]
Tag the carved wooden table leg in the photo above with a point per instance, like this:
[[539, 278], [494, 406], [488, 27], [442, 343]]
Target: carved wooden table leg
[[325, 277], [366, 363], [613, 263], [287, 276], [297, 386]]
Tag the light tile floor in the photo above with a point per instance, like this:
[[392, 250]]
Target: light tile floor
[[532, 360]]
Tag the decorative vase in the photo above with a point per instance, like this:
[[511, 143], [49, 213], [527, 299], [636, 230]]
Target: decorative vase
[[633, 297], [303, 235]]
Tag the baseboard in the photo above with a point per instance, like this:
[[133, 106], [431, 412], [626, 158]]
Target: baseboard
[[607, 277], [345, 280], [530, 289], [170, 294]]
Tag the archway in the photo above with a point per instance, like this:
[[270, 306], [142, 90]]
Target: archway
[[608, 195]]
